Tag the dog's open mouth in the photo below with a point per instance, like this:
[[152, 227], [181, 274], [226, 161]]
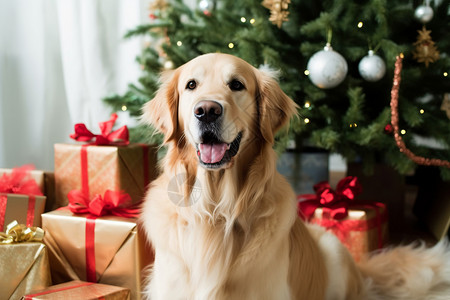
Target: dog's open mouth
[[214, 153]]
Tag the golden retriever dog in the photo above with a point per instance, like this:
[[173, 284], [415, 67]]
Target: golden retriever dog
[[222, 220]]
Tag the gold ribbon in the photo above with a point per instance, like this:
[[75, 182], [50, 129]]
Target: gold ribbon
[[18, 233]]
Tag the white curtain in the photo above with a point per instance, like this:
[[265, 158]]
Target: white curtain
[[58, 59]]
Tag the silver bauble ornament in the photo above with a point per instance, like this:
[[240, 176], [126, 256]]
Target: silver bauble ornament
[[327, 68], [372, 67], [206, 6], [424, 13]]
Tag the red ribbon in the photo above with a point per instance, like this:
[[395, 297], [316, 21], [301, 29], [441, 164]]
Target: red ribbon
[[334, 202], [112, 203], [46, 292], [107, 136], [84, 170], [19, 182], [341, 228]]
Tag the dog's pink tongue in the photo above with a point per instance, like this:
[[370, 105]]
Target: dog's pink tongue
[[212, 153]]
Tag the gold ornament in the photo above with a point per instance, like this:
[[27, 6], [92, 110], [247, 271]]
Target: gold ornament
[[278, 11], [445, 106], [158, 5], [426, 50]]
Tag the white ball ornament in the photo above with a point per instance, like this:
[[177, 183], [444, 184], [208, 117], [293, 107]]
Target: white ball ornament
[[206, 6], [327, 68], [372, 67], [424, 13]]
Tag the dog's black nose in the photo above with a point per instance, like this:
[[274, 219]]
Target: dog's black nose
[[208, 111]]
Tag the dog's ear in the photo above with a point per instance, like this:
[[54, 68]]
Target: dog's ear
[[162, 110], [275, 107]]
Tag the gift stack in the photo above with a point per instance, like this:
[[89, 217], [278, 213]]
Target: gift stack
[[92, 245], [23, 256], [360, 225]]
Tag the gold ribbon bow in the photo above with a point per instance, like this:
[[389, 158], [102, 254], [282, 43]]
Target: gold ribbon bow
[[17, 233]]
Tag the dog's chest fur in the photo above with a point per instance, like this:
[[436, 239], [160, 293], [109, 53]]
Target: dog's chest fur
[[211, 258]]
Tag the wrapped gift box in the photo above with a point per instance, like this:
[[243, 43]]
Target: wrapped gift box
[[80, 290], [361, 226], [24, 268], [26, 209], [23, 208], [362, 231], [95, 169], [24, 261], [117, 247]]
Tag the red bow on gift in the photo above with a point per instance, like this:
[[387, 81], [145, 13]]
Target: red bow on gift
[[107, 137], [19, 182], [333, 202], [112, 203]]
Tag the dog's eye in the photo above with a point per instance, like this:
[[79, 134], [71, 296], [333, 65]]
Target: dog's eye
[[192, 84], [236, 85]]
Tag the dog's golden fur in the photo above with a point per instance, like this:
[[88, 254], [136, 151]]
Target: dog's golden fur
[[229, 230]]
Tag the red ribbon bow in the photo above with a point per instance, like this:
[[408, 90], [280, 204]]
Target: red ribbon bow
[[333, 202], [112, 203], [107, 137], [19, 182]]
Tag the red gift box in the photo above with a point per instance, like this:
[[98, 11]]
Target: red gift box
[[360, 226]]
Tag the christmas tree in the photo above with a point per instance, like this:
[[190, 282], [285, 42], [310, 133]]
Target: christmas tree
[[336, 60]]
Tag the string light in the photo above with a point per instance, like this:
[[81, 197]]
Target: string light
[[306, 120], [445, 74], [243, 20], [353, 125], [231, 45], [306, 72], [168, 65], [307, 104], [252, 21], [179, 43], [124, 108], [422, 111], [360, 24], [403, 131]]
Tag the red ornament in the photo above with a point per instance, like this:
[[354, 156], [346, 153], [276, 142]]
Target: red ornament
[[152, 16], [388, 129]]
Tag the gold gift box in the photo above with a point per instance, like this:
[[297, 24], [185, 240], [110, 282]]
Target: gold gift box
[[358, 231], [121, 253], [108, 167], [80, 290], [17, 209], [24, 268]]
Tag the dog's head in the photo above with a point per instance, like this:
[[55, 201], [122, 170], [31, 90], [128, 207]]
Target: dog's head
[[218, 105]]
